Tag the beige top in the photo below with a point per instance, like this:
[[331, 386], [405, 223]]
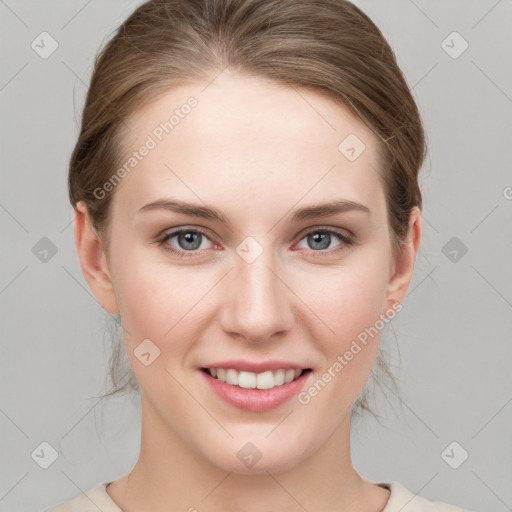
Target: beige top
[[400, 500]]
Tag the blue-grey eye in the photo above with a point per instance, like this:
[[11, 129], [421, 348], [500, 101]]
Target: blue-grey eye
[[188, 240], [321, 240]]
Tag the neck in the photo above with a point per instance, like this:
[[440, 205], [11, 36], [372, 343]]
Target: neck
[[170, 475]]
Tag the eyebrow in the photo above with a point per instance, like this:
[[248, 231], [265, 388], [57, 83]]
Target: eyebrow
[[206, 212]]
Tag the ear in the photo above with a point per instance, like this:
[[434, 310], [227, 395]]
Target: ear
[[403, 265], [93, 260]]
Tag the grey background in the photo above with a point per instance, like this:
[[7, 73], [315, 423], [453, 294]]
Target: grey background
[[453, 336]]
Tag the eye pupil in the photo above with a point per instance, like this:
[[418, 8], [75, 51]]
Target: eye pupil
[[323, 239], [189, 240]]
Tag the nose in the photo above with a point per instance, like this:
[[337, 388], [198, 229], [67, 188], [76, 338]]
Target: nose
[[257, 304]]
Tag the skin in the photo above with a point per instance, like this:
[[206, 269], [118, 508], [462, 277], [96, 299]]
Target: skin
[[256, 151]]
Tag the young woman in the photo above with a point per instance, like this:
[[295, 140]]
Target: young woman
[[246, 193]]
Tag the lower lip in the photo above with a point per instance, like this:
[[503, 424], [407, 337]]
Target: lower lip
[[256, 400]]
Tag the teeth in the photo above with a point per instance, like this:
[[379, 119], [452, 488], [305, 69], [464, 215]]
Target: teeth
[[232, 377], [250, 380], [247, 380]]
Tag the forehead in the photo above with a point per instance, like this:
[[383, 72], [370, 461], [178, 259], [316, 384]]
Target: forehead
[[244, 139]]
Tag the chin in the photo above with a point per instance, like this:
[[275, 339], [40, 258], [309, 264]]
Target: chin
[[276, 461]]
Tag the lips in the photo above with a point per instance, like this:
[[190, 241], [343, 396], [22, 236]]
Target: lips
[[255, 386], [256, 399]]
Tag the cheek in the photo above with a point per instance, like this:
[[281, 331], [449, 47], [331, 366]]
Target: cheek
[[155, 304], [158, 300], [348, 299], [350, 304], [143, 296]]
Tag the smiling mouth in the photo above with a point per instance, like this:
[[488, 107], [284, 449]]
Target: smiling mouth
[[250, 380]]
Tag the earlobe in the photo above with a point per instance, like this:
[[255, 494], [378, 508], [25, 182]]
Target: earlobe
[[404, 263], [93, 260]]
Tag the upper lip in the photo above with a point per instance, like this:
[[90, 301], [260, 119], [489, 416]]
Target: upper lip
[[248, 366]]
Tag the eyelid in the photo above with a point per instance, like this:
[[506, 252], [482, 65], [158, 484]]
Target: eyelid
[[343, 232], [180, 229]]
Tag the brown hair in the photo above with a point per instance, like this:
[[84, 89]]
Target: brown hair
[[329, 46]]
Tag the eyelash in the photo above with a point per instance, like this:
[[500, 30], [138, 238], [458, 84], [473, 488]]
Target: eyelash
[[346, 241]]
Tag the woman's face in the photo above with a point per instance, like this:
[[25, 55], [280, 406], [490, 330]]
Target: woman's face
[[283, 280]]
